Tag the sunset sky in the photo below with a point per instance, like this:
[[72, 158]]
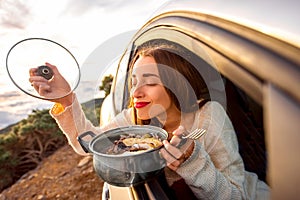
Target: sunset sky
[[79, 25]]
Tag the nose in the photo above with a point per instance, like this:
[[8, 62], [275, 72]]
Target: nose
[[137, 91]]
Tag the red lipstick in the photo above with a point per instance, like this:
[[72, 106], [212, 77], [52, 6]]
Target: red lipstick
[[140, 104]]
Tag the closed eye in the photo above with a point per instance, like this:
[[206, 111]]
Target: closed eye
[[151, 84]]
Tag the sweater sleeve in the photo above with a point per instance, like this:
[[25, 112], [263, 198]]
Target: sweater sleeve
[[73, 122], [215, 170]]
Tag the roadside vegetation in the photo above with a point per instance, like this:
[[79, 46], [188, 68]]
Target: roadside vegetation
[[25, 144]]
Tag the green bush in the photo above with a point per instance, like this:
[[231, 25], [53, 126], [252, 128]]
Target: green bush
[[38, 133]]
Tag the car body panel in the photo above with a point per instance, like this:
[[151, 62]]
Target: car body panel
[[276, 18]]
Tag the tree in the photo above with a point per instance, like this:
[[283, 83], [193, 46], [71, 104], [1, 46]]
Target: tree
[[106, 84]]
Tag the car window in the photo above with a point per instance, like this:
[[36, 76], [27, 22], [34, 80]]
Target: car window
[[120, 84], [244, 111], [241, 58]]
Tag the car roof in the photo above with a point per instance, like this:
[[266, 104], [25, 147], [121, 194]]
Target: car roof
[[277, 18], [229, 28]]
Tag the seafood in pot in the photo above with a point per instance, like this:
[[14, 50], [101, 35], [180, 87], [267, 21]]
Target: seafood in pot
[[134, 143]]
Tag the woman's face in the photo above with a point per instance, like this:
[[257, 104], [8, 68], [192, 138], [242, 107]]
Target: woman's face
[[149, 95]]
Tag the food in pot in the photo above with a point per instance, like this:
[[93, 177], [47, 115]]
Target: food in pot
[[134, 143]]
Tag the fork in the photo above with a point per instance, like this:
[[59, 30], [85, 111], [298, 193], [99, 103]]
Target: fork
[[195, 134]]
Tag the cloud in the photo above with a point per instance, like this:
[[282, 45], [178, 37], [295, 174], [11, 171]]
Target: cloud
[[9, 94], [14, 14], [78, 7]]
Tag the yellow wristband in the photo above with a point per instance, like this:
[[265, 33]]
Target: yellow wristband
[[57, 109]]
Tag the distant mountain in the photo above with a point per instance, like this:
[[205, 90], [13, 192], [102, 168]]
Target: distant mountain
[[7, 129]]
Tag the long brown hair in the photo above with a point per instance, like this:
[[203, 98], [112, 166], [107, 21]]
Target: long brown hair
[[182, 80]]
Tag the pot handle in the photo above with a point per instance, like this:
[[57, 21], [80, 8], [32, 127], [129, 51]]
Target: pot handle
[[85, 144]]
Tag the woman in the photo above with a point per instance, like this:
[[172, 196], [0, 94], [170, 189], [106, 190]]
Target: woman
[[166, 90]]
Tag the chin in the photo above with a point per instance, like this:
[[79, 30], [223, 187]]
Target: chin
[[146, 114], [143, 115]]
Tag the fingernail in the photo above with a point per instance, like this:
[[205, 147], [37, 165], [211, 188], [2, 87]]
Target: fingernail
[[181, 128]]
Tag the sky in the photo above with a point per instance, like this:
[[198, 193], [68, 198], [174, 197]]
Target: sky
[[81, 26]]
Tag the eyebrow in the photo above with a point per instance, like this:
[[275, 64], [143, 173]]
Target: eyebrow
[[147, 75]]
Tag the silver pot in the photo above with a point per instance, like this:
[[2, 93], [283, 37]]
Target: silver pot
[[124, 170]]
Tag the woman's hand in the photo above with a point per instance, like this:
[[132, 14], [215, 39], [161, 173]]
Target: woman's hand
[[57, 86], [173, 155]]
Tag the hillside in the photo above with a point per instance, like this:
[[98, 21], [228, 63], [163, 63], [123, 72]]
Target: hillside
[[63, 175], [56, 171]]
